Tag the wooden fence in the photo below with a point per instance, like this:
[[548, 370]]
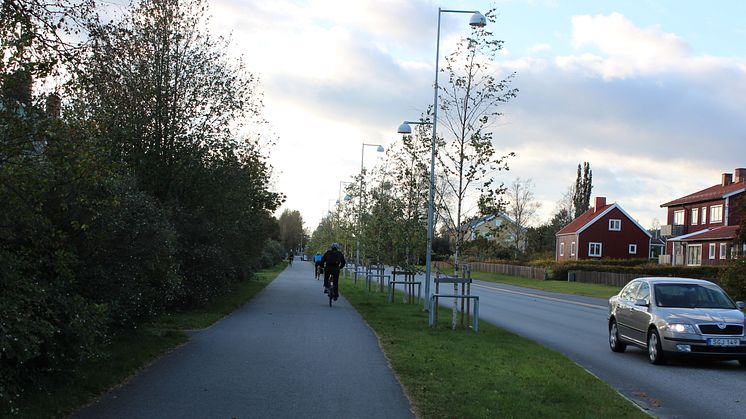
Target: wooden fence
[[514, 270], [604, 278]]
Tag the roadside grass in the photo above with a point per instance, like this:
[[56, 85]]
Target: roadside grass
[[124, 356], [221, 306], [565, 287], [130, 352], [493, 373]]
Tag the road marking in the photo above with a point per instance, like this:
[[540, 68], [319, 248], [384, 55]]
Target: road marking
[[545, 297]]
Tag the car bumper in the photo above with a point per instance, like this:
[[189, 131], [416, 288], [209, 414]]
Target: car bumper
[[687, 347]]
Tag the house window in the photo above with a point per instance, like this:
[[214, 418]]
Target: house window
[[562, 249], [594, 249], [632, 249], [712, 250], [572, 249], [678, 218], [694, 255], [695, 216], [704, 215], [723, 249], [716, 213], [615, 225]]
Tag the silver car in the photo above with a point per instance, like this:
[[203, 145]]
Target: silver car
[[677, 317]]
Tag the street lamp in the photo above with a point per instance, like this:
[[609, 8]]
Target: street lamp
[[360, 200], [479, 21], [339, 195]]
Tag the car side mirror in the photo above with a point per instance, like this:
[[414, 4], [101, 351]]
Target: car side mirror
[[641, 302], [741, 305]]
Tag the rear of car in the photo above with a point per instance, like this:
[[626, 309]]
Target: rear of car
[[677, 317]]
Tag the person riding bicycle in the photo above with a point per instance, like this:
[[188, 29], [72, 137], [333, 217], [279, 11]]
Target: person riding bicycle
[[291, 256], [317, 263], [332, 261]]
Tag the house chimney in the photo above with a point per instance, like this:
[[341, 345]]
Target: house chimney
[[727, 179], [600, 202], [53, 105], [740, 175]]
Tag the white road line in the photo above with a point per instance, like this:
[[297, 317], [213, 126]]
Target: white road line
[[528, 294]]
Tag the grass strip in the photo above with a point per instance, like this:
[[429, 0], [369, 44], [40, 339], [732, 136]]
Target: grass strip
[[490, 374], [221, 306], [134, 350], [565, 287]]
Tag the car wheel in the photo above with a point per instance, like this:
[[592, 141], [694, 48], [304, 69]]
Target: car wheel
[[742, 362], [655, 353], [614, 343]]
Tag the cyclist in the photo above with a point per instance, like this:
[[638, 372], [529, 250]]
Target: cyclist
[[317, 262], [291, 256], [332, 261]]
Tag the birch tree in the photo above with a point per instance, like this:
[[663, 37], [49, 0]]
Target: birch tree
[[470, 103]]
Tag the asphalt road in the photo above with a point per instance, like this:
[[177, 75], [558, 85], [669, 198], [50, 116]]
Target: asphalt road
[[576, 327], [270, 359]]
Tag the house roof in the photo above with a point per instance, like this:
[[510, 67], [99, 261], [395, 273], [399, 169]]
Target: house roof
[[714, 233], [591, 216], [481, 220], [713, 192], [583, 220]]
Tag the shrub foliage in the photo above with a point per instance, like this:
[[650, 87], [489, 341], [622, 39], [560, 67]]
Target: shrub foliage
[[128, 192]]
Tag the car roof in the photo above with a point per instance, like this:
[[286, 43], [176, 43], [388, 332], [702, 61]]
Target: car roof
[[668, 280]]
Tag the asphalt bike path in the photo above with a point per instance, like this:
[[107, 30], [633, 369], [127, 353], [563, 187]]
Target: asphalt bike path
[[269, 359]]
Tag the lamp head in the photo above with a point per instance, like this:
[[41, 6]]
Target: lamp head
[[380, 149], [404, 128], [478, 20]]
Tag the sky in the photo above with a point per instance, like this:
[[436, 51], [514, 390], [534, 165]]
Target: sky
[[651, 93]]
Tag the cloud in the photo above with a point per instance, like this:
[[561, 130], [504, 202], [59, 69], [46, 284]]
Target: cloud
[[543, 47], [655, 121], [625, 49]]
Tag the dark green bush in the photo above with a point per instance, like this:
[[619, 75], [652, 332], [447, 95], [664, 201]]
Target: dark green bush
[[559, 270], [733, 278], [272, 254], [128, 252]]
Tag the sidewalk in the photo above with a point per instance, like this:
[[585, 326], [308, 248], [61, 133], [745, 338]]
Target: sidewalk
[[269, 359]]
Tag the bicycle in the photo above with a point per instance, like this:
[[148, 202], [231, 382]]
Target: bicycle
[[333, 279], [319, 271], [290, 261]]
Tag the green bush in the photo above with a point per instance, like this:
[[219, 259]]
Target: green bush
[[129, 257], [45, 328], [272, 254], [733, 278], [559, 270]]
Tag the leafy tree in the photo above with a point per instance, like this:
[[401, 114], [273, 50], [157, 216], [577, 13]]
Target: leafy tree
[[583, 186], [291, 229], [733, 278], [471, 98], [170, 104], [522, 207]]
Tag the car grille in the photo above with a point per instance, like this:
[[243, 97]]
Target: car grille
[[719, 349], [713, 329]]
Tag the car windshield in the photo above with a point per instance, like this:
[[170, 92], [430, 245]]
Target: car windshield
[[691, 296]]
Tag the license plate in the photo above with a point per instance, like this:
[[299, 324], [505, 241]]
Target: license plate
[[723, 342]]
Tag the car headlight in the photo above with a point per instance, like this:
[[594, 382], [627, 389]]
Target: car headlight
[[681, 328]]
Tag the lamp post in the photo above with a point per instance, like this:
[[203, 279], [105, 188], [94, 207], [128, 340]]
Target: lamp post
[[477, 20], [360, 200], [339, 195]]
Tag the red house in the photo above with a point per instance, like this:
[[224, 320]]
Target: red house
[[604, 231], [702, 226]]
